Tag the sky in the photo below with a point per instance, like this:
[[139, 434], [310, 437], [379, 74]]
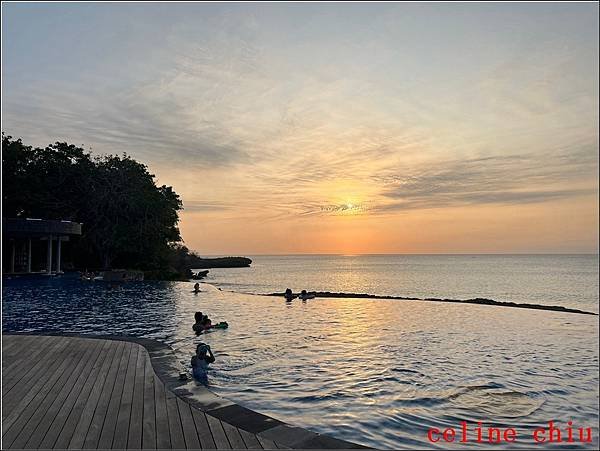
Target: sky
[[355, 128]]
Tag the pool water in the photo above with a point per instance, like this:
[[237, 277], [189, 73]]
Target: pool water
[[376, 372]]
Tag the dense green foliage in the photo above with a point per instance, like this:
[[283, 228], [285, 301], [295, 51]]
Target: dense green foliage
[[128, 221]]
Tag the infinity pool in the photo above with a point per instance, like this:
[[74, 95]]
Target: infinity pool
[[376, 372]]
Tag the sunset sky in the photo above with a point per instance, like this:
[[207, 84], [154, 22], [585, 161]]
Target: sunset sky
[[329, 128]]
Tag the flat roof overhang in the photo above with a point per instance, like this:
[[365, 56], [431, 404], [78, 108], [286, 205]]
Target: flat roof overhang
[[15, 227]]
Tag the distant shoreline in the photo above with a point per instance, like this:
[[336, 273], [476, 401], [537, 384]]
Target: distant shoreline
[[476, 301]]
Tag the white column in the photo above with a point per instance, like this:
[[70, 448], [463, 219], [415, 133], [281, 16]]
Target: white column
[[29, 257], [49, 256], [12, 260], [58, 241]]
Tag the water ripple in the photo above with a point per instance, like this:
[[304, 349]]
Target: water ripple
[[376, 372]]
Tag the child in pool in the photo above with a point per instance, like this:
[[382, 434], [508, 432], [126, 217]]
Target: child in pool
[[200, 362], [203, 322], [198, 326]]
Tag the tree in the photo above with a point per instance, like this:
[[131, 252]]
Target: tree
[[132, 221], [128, 220]]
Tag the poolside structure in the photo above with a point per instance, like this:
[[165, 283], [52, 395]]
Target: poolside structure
[[33, 246], [76, 392]]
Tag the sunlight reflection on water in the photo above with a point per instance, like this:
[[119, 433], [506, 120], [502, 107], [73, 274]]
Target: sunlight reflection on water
[[375, 372]]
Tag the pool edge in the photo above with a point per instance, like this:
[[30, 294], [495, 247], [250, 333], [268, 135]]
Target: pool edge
[[168, 369]]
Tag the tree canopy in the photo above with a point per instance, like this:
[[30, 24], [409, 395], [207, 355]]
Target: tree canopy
[[128, 221]]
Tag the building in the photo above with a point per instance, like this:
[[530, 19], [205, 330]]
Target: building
[[32, 246]]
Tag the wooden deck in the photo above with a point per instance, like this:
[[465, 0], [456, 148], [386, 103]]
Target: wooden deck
[[76, 393]]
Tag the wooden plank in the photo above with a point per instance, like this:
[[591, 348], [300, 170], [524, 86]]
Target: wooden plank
[[12, 358], [27, 383], [48, 407], [73, 400], [100, 393], [175, 428], [24, 408], [17, 365], [98, 399], [216, 428], [75, 437], [187, 423], [149, 416], [123, 417], [28, 368], [203, 430], [10, 353], [8, 344], [13, 429], [134, 438], [28, 359], [7, 340], [58, 412], [163, 436], [266, 443], [80, 391], [233, 435], [11, 340], [101, 432], [250, 440], [44, 382], [13, 347]]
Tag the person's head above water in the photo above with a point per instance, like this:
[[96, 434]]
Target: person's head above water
[[288, 291], [203, 352], [198, 316], [202, 349], [303, 291]]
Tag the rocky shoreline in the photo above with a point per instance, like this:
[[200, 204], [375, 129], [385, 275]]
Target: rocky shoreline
[[478, 301]]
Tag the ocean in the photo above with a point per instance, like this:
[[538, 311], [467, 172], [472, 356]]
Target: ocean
[[378, 372], [567, 280]]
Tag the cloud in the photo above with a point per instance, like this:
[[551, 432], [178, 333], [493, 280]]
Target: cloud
[[153, 126], [333, 209], [515, 179], [199, 206], [273, 117], [505, 198]]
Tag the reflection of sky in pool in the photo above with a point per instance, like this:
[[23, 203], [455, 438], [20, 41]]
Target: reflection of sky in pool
[[375, 372]]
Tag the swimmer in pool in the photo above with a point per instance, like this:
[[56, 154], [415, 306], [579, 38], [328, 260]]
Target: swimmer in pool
[[198, 327], [200, 362]]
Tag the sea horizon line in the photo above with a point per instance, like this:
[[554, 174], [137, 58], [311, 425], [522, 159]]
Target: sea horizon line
[[317, 254]]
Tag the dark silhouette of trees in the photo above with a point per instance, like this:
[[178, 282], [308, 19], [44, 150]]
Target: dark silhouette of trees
[[128, 221]]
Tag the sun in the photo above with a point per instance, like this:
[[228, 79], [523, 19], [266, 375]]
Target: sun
[[351, 208]]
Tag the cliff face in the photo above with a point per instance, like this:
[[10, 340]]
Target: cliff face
[[220, 262]]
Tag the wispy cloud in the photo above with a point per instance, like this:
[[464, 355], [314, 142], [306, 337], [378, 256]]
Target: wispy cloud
[[271, 112], [515, 179], [199, 206]]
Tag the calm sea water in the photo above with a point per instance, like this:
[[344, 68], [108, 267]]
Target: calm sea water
[[568, 280], [377, 372]]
